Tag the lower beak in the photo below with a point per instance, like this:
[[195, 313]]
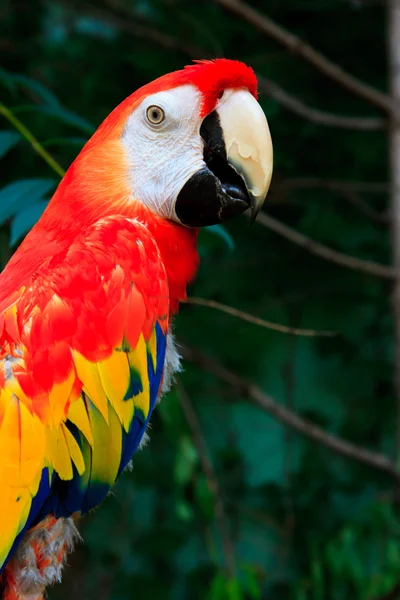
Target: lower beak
[[248, 143], [237, 167]]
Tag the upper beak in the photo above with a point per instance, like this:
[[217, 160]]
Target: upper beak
[[248, 143]]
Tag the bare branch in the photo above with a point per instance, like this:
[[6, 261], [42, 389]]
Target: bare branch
[[145, 31], [212, 480], [349, 190], [314, 115], [288, 418], [301, 48], [124, 22], [229, 310], [344, 260], [336, 185], [355, 199]]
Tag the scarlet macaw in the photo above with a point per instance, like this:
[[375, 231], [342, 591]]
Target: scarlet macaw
[[86, 301]]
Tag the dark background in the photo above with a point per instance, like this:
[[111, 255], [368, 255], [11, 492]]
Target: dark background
[[233, 499]]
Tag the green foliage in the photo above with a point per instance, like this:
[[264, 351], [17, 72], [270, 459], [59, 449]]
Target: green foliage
[[302, 522], [8, 139], [24, 190], [223, 234], [25, 219], [22, 202]]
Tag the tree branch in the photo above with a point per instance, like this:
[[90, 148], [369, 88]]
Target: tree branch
[[138, 27], [355, 199], [212, 480], [344, 260], [145, 31], [336, 185], [288, 418], [314, 115], [229, 310], [349, 190], [298, 46]]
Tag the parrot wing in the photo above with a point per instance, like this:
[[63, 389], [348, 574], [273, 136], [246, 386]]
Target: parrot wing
[[82, 349]]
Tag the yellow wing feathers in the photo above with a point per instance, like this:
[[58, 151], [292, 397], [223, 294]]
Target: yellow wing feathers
[[82, 350]]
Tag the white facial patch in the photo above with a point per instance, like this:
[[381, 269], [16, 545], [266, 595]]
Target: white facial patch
[[163, 156]]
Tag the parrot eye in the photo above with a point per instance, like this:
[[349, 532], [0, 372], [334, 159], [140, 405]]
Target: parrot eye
[[155, 115]]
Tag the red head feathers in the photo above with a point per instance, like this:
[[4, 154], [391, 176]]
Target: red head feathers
[[211, 77]]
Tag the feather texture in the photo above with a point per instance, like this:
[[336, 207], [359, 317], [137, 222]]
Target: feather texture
[[82, 353], [85, 305]]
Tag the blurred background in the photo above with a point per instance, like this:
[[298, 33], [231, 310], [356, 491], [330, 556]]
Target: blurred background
[[286, 488]]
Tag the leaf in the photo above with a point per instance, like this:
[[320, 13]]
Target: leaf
[[95, 27], [233, 590], [41, 90], [317, 579], [184, 511], [300, 593], [7, 80], [22, 193], [60, 113], [25, 220], [221, 232], [252, 586], [186, 461], [204, 497], [8, 139], [66, 116], [217, 589], [393, 555], [69, 141]]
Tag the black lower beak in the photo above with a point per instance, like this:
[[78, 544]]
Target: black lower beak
[[205, 200], [216, 192]]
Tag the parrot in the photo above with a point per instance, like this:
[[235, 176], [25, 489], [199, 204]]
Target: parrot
[[87, 300]]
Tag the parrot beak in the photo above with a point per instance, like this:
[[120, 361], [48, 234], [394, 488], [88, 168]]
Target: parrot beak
[[238, 159], [248, 144]]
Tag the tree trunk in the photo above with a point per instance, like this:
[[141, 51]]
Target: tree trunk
[[394, 151]]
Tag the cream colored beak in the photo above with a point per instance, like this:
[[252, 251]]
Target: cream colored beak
[[248, 143]]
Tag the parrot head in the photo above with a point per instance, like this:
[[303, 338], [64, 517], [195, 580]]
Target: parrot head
[[192, 147], [189, 149]]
